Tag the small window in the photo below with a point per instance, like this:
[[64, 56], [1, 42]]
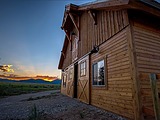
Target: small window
[[98, 73], [64, 80], [74, 47], [83, 68]]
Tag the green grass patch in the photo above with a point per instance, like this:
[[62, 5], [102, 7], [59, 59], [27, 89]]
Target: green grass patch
[[8, 89]]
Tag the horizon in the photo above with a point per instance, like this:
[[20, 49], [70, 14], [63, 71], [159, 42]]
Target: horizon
[[17, 78], [31, 36]]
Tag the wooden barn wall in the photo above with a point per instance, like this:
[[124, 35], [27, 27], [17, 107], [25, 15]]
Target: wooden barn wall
[[108, 23], [117, 95], [147, 46], [68, 57], [69, 82], [68, 88]]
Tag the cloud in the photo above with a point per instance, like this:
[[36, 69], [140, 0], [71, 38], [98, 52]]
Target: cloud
[[25, 70], [48, 78], [6, 68]]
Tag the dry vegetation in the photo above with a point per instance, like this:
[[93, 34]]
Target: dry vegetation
[[9, 88]]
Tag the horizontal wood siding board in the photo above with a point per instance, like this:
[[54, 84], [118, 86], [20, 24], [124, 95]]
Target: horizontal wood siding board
[[115, 103], [147, 41], [113, 108], [119, 83], [119, 75]]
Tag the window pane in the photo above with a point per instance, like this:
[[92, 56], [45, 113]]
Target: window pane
[[101, 72], [98, 73], [83, 68], [71, 74], [95, 74]]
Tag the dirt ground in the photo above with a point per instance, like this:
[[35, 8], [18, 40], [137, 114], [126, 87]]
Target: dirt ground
[[50, 105]]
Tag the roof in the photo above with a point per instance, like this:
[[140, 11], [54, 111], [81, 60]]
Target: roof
[[149, 6], [103, 4]]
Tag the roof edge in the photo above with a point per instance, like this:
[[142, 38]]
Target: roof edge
[[103, 4]]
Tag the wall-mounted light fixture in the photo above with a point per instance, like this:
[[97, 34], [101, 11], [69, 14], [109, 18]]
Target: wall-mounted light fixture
[[95, 49]]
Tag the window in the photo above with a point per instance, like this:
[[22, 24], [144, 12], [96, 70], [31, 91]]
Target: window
[[64, 80], [74, 47], [98, 73], [83, 68]]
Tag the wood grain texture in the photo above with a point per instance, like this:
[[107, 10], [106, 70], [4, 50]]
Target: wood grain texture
[[117, 96], [83, 82], [148, 59]]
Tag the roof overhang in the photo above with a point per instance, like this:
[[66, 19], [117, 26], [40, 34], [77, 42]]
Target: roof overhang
[[108, 4]]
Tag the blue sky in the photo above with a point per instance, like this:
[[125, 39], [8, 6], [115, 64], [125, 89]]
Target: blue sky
[[30, 35]]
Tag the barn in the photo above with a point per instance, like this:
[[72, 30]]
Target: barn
[[111, 56]]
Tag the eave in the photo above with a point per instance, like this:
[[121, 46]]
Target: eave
[[104, 5]]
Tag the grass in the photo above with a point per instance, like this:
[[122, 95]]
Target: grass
[[8, 89]]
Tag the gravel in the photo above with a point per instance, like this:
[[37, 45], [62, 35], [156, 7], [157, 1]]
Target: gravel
[[50, 105]]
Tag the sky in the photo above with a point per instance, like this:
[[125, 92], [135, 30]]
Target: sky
[[30, 36]]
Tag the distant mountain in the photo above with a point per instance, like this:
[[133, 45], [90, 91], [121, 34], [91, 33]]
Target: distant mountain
[[57, 81], [6, 80]]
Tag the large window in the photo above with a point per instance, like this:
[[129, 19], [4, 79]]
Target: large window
[[98, 73], [83, 68]]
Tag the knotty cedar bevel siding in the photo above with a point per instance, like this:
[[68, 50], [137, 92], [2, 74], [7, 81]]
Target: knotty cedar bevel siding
[[147, 45], [117, 96], [108, 24]]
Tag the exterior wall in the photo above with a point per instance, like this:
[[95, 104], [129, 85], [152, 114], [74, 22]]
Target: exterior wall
[[117, 95], [130, 56], [63, 85], [108, 24], [147, 46], [111, 33], [68, 88], [68, 57]]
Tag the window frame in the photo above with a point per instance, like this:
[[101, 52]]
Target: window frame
[[70, 73], [74, 47], [85, 69], [105, 72]]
